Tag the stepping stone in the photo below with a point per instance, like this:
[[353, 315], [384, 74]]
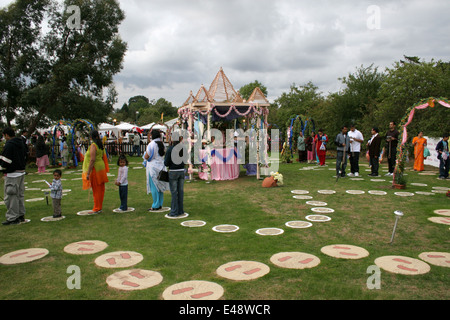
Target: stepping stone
[[442, 212], [402, 265], [378, 192], [119, 259], [86, 213], [317, 218], [23, 256], [51, 219], [298, 224], [85, 247], [269, 231], [404, 194], [378, 180], [322, 210], [355, 192], [441, 259], [193, 223], [326, 191], [194, 290], [317, 203], [345, 251], [243, 270], [425, 193], [302, 197], [440, 220], [357, 179], [441, 188], [295, 260], [419, 184], [35, 200], [299, 191], [135, 279], [181, 216], [225, 228], [163, 209], [130, 209]]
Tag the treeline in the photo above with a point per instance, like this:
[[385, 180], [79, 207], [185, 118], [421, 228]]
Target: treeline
[[371, 97]]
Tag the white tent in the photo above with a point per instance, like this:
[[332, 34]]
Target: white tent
[[126, 126], [147, 126]]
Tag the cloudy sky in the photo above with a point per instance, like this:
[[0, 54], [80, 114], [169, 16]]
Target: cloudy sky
[[175, 46]]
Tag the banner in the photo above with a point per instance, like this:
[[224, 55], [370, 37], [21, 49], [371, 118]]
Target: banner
[[432, 160]]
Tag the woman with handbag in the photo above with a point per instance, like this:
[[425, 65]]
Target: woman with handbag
[[154, 163], [419, 143]]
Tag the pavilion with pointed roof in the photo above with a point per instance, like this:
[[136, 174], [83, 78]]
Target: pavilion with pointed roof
[[222, 102]]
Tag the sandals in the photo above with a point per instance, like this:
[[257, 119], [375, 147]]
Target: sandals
[[155, 209]]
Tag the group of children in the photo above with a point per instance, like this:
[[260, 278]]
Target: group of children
[[56, 189]]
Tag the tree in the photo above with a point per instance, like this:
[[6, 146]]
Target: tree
[[246, 90], [73, 76], [19, 34], [407, 83], [300, 100]]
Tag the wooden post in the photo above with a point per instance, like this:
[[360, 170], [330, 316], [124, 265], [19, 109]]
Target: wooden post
[[258, 136], [190, 143]]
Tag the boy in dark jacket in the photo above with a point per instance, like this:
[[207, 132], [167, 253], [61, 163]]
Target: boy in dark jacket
[[12, 164]]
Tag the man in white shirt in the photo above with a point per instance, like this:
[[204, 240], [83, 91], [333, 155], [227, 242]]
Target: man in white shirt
[[356, 138]]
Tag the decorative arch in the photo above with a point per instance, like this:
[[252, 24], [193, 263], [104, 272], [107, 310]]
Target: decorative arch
[[58, 127], [407, 119], [77, 125]]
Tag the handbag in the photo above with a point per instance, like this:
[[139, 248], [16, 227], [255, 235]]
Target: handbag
[[163, 175], [426, 152]]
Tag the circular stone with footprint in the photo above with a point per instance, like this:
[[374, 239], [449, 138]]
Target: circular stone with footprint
[[243, 270], [23, 256], [295, 260], [298, 224], [402, 265], [345, 251], [119, 259], [136, 279], [194, 290], [85, 247], [441, 259]]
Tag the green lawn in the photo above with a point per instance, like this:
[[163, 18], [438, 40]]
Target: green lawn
[[180, 253]]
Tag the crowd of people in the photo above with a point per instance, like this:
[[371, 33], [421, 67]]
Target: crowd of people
[[350, 143], [165, 168]]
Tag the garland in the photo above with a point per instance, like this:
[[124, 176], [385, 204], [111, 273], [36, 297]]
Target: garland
[[407, 119]]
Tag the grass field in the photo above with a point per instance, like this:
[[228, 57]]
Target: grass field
[[181, 253]]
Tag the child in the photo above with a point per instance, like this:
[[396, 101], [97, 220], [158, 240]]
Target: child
[[122, 182], [56, 193]]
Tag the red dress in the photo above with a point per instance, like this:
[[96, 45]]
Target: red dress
[[321, 151]]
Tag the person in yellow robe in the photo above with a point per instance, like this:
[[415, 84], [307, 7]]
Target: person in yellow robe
[[419, 144], [95, 169]]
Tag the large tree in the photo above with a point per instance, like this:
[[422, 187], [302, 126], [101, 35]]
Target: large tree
[[73, 76], [20, 28], [246, 90]]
